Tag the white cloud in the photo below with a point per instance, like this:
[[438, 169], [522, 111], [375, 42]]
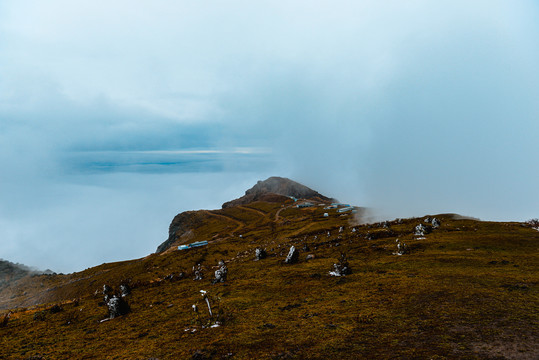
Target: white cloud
[[411, 107]]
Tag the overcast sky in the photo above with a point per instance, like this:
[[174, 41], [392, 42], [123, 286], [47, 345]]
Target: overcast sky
[[116, 115]]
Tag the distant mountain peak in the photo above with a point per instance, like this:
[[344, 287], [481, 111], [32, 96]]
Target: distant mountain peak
[[276, 185]]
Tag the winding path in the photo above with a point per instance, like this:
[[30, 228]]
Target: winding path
[[230, 218]]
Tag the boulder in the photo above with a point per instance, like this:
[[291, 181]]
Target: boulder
[[221, 272], [106, 289], [293, 255], [197, 272], [117, 306], [124, 290], [260, 254], [421, 230], [341, 268], [402, 248]]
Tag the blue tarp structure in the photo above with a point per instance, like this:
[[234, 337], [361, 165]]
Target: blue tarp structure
[[192, 245]]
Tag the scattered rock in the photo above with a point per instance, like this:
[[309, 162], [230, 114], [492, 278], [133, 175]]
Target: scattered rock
[[204, 294], [39, 316], [289, 307], [309, 257], [435, 223], [533, 223], [55, 309], [293, 255], [341, 268], [220, 273], [402, 248], [197, 271], [203, 354], [117, 306], [106, 289], [124, 290], [173, 277], [309, 315], [260, 254], [421, 230]]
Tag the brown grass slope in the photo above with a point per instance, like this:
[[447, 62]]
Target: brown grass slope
[[466, 291]]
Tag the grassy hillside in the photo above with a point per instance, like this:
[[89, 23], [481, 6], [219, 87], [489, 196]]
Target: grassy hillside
[[468, 290]]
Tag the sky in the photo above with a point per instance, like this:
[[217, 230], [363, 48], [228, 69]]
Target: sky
[[117, 115]]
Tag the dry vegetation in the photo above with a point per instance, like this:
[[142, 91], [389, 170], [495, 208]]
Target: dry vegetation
[[467, 291]]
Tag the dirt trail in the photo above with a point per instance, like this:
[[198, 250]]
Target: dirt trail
[[299, 231], [230, 218], [259, 212], [277, 214]]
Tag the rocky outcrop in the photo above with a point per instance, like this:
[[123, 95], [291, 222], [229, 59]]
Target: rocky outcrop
[[181, 226], [273, 189], [11, 272]]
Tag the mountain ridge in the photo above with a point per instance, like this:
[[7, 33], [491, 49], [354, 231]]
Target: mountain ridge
[[281, 281], [274, 190]]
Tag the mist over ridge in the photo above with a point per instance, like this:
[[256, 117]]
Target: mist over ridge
[[112, 122]]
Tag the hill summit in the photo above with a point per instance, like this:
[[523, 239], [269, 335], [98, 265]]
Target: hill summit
[[267, 189], [185, 226], [280, 279]]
